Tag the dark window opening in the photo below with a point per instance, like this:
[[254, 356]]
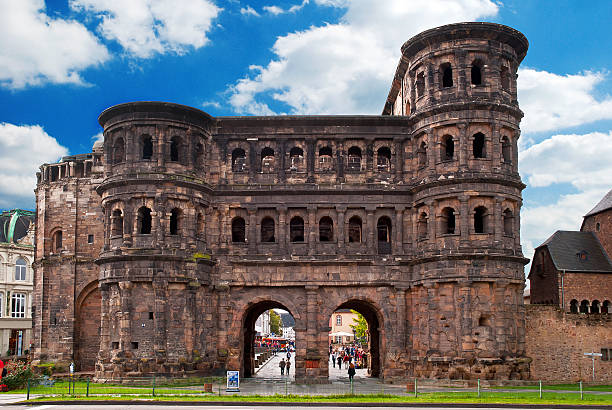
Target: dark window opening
[[175, 216], [422, 154], [383, 159], [383, 228], [422, 226], [267, 160], [354, 159], [238, 160], [296, 229], [174, 149], [296, 158], [605, 307], [150, 315], [480, 219], [134, 345], [605, 354], [119, 151], [326, 229], [476, 72], [484, 320], [115, 345], [238, 230], [597, 226], [57, 241], [147, 147], [505, 78], [90, 239], [199, 155], [447, 75], [200, 224], [508, 222], [595, 306], [478, 145], [267, 230], [420, 84], [117, 223], [448, 148], [144, 221], [506, 151], [574, 306], [583, 256], [325, 159], [448, 217], [354, 232], [584, 306], [54, 173]]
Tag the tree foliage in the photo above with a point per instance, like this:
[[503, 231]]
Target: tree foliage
[[276, 325], [360, 327]]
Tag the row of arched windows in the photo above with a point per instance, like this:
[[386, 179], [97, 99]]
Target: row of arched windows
[[480, 221], [267, 159], [479, 151], [175, 150], [592, 307], [144, 221]]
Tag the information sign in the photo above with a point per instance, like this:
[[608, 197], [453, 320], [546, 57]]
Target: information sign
[[233, 380]]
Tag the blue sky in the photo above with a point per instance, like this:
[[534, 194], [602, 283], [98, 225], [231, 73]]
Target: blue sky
[[64, 61]]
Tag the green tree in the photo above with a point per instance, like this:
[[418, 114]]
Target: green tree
[[360, 327], [276, 326]]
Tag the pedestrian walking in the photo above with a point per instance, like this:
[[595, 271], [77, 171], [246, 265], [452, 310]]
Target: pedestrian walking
[[346, 361], [333, 359], [282, 366], [351, 371], [339, 361], [288, 366]]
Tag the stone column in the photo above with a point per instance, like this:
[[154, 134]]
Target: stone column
[[340, 210], [371, 227], [160, 313], [125, 330], [253, 165], [283, 233], [282, 153], [516, 229], [399, 227], [312, 227], [128, 222], [463, 151], [431, 223], [310, 159], [223, 226], [107, 226], [465, 220], [160, 140], [105, 340], [431, 152], [340, 161], [252, 231], [498, 223], [401, 317], [188, 150], [399, 159], [316, 359]]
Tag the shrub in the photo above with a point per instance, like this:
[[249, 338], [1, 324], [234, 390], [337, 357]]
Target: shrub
[[18, 374]]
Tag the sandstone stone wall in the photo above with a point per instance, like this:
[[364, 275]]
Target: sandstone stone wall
[[601, 225], [557, 341]]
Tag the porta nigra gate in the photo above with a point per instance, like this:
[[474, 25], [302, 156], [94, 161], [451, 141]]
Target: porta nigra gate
[[157, 252]]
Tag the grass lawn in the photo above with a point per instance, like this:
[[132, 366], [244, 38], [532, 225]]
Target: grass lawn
[[574, 387]]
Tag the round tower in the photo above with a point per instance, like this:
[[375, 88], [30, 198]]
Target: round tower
[[155, 259]]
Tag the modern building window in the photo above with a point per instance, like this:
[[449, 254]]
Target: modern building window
[[354, 230], [147, 147], [447, 148], [326, 229], [18, 305], [326, 162], [175, 144], [480, 219], [144, 220], [175, 219], [296, 229], [478, 146], [238, 230], [338, 320], [239, 160], [20, 269], [446, 72], [267, 230], [267, 160], [118, 151], [354, 159], [448, 220], [117, 223], [383, 159]]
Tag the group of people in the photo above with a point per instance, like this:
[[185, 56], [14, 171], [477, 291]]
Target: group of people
[[285, 366], [351, 356]]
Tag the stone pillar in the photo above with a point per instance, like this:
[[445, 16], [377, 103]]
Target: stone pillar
[[224, 319], [160, 313], [316, 357], [188, 150], [340, 162], [160, 140], [105, 340], [310, 159], [399, 159], [283, 232], [253, 165], [125, 330], [464, 312], [399, 227], [465, 220], [463, 151], [401, 333], [282, 153], [431, 152], [498, 223], [252, 232], [340, 210], [516, 229], [223, 214], [371, 227], [312, 229], [431, 223], [107, 226]]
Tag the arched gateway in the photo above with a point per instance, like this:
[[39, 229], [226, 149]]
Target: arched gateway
[[193, 225]]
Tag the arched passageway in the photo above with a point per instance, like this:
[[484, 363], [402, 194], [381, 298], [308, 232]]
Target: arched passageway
[[248, 367], [87, 328], [369, 344]]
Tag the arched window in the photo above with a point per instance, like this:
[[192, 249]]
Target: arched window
[[147, 147], [508, 222], [118, 151], [605, 307], [267, 160], [447, 148], [267, 230], [20, 269], [478, 146], [476, 72], [117, 223], [446, 72], [383, 229], [326, 229], [326, 162], [422, 226], [338, 320], [480, 219], [354, 159], [595, 307], [175, 219], [200, 223], [144, 220], [296, 158], [354, 230], [584, 306], [296, 229], [420, 84], [422, 154], [448, 220], [238, 160], [506, 150], [175, 144], [574, 306], [238, 230], [199, 155], [57, 241], [383, 159], [505, 78]]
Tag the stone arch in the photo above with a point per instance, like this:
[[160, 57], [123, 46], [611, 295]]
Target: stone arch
[[87, 327], [249, 314]]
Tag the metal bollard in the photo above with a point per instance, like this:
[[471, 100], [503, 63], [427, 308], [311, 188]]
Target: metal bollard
[[153, 385], [581, 394], [87, 394], [478, 388], [28, 395], [415, 387], [540, 388]]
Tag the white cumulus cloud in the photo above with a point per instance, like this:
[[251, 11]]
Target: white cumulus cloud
[[249, 11], [37, 49], [276, 10], [146, 27], [23, 148], [552, 102], [346, 67]]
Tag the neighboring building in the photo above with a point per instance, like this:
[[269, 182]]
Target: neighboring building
[[16, 281], [262, 324], [288, 323], [571, 290], [340, 322], [158, 251]]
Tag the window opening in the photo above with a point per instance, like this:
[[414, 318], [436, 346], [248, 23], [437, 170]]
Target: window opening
[[144, 220], [354, 159], [338, 320], [57, 241], [20, 269], [199, 155], [480, 222], [508, 222], [238, 160], [383, 159], [506, 150], [325, 159], [119, 151], [595, 306], [505, 78], [476, 72], [354, 232], [296, 158], [267, 230], [447, 75], [238, 230], [296, 229], [448, 148], [267, 160], [422, 226], [478, 145], [150, 315], [584, 306], [134, 345], [326, 229], [574, 306], [200, 223], [18, 306], [448, 216], [147, 147], [117, 223], [422, 154], [383, 228], [420, 84], [484, 320], [90, 239], [174, 149], [605, 307], [174, 221]]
